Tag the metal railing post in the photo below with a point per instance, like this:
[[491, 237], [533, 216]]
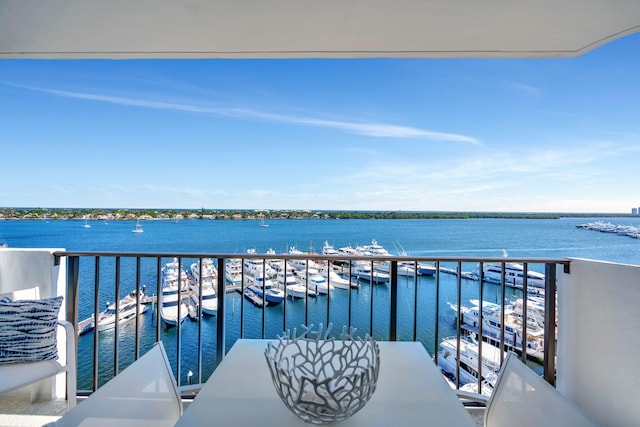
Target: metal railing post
[[393, 303], [73, 276], [549, 361], [220, 348]]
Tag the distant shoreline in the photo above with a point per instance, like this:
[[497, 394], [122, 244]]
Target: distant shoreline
[[247, 214]]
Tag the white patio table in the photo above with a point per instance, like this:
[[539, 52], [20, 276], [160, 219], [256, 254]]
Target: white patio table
[[411, 392]]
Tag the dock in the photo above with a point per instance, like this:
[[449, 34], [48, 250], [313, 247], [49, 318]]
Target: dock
[[465, 274], [253, 298], [192, 307], [85, 326]]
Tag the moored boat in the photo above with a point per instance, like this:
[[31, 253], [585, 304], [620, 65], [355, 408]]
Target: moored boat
[[363, 271], [294, 290], [314, 280], [470, 368], [174, 283], [492, 325], [169, 302], [263, 287], [514, 275], [206, 282], [126, 310]]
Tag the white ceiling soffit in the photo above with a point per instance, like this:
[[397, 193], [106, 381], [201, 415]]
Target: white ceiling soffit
[[310, 28]]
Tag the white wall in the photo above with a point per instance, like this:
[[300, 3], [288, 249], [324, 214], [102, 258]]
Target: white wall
[[599, 339], [22, 270]]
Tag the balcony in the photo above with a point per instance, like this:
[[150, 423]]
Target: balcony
[[588, 350]]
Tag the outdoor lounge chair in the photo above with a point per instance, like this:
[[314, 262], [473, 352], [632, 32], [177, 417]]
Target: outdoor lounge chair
[[144, 394], [523, 398]]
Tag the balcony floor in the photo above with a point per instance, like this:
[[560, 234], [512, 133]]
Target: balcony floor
[[16, 410]]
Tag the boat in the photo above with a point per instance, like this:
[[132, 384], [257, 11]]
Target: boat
[[127, 309], [426, 269], [233, 271], [301, 264], [348, 251], [374, 250], [86, 224], [169, 302], [257, 266], [405, 268], [173, 272], [288, 283], [328, 249], [337, 280], [138, 228], [263, 287], [513, 274], [123, 312], [262, 223], [363, 271], [174, 282], [469, 357], [314, 280], [207, 282], [492, 325]]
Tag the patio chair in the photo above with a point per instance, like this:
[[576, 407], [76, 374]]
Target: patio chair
[[523, 398], [29, 351], [144, 394]]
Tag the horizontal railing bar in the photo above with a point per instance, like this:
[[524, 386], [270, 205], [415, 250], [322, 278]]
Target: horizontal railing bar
[[530, 260]]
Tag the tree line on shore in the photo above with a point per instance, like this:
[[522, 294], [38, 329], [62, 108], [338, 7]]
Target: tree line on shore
[[173, 214]]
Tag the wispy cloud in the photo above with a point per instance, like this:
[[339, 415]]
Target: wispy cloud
[[359, 128], [526, 90]]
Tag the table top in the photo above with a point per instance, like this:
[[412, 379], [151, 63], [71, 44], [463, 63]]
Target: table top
[[410, 392]]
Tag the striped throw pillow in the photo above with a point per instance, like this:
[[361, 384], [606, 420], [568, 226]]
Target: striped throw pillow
[[28, 329]]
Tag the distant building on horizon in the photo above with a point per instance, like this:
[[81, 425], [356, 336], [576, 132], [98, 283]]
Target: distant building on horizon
[[634, 211]]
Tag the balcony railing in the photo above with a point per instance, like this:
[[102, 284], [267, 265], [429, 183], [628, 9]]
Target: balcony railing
[[405, 306]]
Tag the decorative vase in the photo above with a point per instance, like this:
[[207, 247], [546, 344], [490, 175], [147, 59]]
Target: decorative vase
[[320, 379]]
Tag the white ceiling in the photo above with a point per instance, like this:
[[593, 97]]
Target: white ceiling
[[310, 28]]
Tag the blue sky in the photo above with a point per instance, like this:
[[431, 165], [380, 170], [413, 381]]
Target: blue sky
[[513, 135]]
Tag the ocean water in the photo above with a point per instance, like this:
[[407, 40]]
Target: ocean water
[[448, 237]]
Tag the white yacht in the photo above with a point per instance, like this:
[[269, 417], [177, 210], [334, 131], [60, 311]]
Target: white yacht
[[363, 271], [174, 282], [264, 288], [469, 357], [256, 266], [314, 280], [208, 283], [126, 311], [301, 264], [294, 290], [328, 249], [405, 268], [233, 271], [374, 249], [172, 272], [513, 275], [492, 321], [337, 280], [169, 306]]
